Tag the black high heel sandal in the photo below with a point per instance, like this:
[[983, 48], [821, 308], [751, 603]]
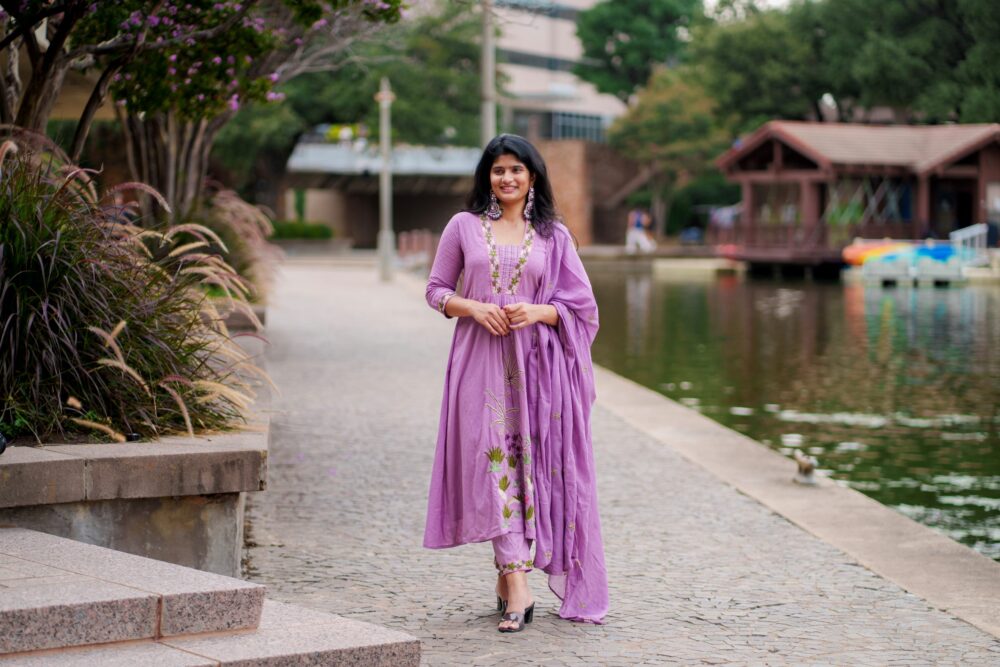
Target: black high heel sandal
[[501, 603], [519, 618]]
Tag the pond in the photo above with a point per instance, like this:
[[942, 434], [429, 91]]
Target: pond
[[896, 392]]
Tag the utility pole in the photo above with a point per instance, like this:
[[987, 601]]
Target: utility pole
[[488, 111], [386, 239]]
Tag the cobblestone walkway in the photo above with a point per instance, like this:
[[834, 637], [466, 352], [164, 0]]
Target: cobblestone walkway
[[699, 573]]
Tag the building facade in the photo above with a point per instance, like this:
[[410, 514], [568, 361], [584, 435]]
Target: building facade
[[536, 52], [541, 99]]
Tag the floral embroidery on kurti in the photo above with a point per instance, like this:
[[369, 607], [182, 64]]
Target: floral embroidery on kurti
[[511, 372], [516, 566], [503, 416], [496, 456], [444, 301]]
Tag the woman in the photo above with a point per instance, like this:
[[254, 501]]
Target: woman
[[514, 463]]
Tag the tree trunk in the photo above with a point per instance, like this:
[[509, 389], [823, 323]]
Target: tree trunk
[[10, 81], [39, 98], [97, 97], [48, 70], [662, 199], [169, 154]]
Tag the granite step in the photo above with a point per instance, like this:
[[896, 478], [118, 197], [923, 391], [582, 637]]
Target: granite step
[[287, 635], [57, 593]]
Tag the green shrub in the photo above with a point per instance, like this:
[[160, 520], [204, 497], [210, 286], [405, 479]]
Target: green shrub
[[104, 326], [289, 229]]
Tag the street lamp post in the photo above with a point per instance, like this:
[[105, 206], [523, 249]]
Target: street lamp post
[[386, 239], [488, 110]]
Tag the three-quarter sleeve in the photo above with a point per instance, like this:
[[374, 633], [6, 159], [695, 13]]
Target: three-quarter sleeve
[[447, 267]]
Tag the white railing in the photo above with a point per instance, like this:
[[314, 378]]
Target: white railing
[[970, 244]]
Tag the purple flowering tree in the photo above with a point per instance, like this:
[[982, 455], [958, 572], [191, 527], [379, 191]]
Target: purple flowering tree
[[177, 70]]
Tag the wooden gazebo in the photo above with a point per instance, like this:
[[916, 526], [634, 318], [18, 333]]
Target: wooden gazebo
[[809, 188]]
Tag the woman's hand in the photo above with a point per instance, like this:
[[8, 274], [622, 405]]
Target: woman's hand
[[521, 315], [491, 317]]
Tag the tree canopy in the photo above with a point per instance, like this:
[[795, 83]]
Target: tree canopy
[[762, 67], [623, 40], [920, 61], [925, 60], [432, 62], [675, 128]]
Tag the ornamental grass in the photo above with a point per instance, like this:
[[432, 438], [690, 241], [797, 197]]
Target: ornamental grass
[[105, 327], [244, 230]]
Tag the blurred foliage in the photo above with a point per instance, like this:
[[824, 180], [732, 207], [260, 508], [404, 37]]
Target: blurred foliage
[[623, 40], [675, 128], [432, 63], [928, 61], [256, 136], [709, 187], [675, 124], [290, 229], [979, 74], [898, 55], [764, 66]]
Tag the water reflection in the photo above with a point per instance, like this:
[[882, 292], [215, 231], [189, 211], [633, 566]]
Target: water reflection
[[895, 391]]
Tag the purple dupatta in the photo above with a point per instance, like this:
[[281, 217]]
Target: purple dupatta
[[568, 545]]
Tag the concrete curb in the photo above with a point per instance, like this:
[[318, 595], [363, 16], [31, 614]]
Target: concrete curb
[[229, 462]]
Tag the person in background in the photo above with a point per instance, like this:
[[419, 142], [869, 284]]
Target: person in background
[[637, 237]]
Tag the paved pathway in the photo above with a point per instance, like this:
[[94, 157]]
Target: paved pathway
[[699, 573]]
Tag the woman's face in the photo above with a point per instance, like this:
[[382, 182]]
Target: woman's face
[[510, 180]]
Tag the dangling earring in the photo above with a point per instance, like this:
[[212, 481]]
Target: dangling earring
[[529, 207], [493, 212]]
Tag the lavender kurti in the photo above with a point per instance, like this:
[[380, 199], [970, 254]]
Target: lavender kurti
[[514, 447]]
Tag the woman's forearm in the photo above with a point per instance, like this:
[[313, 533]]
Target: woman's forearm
[[458, 306], [547, 314]]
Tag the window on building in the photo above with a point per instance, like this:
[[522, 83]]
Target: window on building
[[544, 7], [559, 125], [577, 126]]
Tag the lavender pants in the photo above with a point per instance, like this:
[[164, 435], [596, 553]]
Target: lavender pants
[[512, 553]]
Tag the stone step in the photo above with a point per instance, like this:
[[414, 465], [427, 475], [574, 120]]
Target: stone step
[[287, 635], [57, 593]]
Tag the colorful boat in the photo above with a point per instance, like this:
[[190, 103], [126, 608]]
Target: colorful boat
[[861, 252]]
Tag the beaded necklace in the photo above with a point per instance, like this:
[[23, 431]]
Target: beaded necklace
[[522, 259]]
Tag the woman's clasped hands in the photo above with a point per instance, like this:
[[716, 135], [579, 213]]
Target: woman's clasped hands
[[500, 320]]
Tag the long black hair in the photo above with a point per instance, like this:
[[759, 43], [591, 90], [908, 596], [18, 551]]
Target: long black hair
[[544, 215]]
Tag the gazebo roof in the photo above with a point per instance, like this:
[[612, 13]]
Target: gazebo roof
[[345, 159], [920, 148]]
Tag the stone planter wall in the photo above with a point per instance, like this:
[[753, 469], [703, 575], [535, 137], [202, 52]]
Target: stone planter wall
[[178, 499]]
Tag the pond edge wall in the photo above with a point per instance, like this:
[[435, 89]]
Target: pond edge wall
[[947, 574]]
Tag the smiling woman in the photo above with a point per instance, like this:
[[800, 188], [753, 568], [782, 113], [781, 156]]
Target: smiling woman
[[514, 463]]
